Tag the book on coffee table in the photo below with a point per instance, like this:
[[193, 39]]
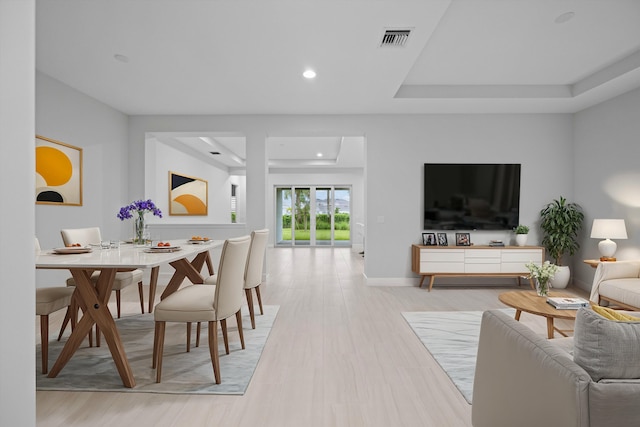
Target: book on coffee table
[[567, 303]]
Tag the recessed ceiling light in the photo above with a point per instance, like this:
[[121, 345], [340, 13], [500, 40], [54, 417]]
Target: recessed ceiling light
[[319, 155], [121, 58], [564, 17], [309, 74]]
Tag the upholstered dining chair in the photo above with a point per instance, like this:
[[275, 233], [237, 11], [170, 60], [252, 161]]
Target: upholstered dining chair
[[209, 304], [253, 272], [89, 236], [49, 300], [252, 279]]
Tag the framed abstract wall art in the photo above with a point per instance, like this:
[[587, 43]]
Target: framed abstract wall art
[[58, 173], [187, 195]]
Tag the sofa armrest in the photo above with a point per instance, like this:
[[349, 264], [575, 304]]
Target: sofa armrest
[[522, 379], [612, 270]]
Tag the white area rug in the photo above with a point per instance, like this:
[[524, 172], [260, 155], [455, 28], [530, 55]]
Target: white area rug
[[93, 369], [452, 339]]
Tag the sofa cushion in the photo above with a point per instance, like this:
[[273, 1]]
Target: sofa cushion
[[606, 348], [624, 290], [612, 314]]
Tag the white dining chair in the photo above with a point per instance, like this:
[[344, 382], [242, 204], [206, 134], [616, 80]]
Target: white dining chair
[[209, 304], [252, 279], [48, 301], [253, 272]]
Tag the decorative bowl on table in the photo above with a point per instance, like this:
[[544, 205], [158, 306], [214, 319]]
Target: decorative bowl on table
[[198, 240]]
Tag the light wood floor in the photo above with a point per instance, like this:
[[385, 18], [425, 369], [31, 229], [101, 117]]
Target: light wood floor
[[339, 354]]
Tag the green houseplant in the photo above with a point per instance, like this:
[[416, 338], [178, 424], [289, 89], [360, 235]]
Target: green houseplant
[[560, 223], [521, 234]]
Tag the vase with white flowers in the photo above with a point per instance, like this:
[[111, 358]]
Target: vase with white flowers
[[542, 274], [137, 210]]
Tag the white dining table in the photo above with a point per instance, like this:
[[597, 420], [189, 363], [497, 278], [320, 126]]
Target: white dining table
[[93, 299]]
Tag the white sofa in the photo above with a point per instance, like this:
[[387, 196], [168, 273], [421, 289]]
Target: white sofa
[[523, 379], [617, 283]]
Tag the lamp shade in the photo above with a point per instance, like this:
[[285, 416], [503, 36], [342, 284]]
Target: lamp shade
[[608, 229]]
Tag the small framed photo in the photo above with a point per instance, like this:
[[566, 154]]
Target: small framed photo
[[442, 239], [463, 239], [429, 239]]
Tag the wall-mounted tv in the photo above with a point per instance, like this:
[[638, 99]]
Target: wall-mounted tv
[[471, 196]]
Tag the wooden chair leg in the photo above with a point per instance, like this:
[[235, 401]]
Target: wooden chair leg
[[158, 349], [252, 315], [213, 350], [155, 346], [198, 334], [259, 299], [239, 322], [118, 302], [188, 337], [97, 336], [223, 326], [44, 342], [141, 297], [65, 322]]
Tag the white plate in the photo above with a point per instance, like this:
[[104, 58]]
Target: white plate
[[72, 250], [163, 249], [198, 242]]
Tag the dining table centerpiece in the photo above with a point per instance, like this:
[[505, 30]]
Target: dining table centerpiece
[[542, 273], [137, 210]]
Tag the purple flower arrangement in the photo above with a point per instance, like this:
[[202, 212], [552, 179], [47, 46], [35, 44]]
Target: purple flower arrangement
[[140, 207]]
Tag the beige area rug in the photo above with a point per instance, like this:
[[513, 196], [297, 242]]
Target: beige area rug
[[93, 369], [452, 339]]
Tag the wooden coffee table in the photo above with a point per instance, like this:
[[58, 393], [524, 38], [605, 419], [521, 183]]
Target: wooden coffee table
[[530, 302]]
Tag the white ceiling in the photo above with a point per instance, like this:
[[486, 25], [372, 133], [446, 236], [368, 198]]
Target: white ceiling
[[247, 56]]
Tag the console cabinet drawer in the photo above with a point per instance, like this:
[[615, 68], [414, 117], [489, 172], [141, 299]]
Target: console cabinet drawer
[[441, 267], [523, 256]]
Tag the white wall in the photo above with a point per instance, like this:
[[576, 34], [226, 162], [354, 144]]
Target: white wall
[[17, 172], [69, 116], [66, 115], [397, 147], [161, 159], [607, 175]]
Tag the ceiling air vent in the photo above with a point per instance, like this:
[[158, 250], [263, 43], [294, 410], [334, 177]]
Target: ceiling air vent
[[396, 38], [214, 153]]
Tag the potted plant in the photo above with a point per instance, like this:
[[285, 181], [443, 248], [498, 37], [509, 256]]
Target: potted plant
[[560, 224], [521, 234]]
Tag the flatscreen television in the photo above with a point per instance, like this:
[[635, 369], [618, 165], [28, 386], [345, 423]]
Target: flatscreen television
[[471, 196]]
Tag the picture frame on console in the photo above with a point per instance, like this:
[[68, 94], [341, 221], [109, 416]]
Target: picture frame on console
[[442, 239], [463, 239], [429, 239]]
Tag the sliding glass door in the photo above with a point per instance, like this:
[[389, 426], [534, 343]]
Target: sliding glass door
[[329, 225]]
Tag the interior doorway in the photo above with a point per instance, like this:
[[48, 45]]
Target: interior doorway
[[313, 215]]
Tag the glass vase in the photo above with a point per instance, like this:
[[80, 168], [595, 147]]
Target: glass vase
[[542, 288], [139, 230]]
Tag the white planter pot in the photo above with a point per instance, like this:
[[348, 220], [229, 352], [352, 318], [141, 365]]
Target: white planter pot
[[561, 278], [521, 239]]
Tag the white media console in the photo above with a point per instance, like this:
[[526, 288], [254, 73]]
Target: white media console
[[450, 261]]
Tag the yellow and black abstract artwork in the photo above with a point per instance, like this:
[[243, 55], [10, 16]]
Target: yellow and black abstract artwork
[[58, 173]]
